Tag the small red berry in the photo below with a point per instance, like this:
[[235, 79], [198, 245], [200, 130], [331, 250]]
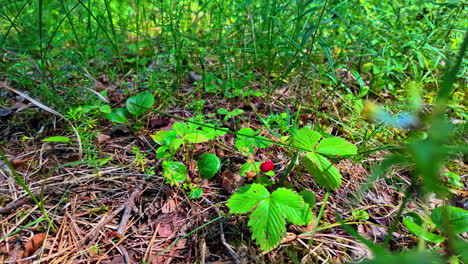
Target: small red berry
[[267, 166]]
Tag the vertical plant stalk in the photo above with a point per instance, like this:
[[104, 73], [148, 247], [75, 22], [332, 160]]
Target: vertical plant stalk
[[396, 221], [319, 216], [288, 169], [21, 182]]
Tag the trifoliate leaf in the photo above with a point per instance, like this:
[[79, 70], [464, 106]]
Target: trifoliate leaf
[[305, 138], [324, 173], [268, 220], [336, 146]]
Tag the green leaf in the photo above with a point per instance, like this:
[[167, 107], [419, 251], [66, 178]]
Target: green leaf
[[246, 198], [56, 139], [322, 170], [292, 206], [139, 104], [309, 197], [105, 109], [175, 144], [336, 146], [196, 193], [195, 138], [360, 214], [268, 225], [268, 220], [251, 140], [174, 171], [449, 218], [180, 128], [118, 115], [208, 165], [454, 179], [222, 111], [420, 232], [305, 138], [160, 137]]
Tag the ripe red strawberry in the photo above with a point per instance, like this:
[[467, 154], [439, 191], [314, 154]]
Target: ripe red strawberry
[[267, 166]]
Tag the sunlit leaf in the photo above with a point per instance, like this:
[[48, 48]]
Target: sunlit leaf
[[336, 146], [305, 138]]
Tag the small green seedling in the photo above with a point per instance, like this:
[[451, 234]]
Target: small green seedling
[[229, 114], [135, 106]]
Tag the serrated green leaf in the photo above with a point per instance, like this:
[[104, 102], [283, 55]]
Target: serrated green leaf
[[268, 226], [449, 218], [195, 138], [208, 165], [292, 206], [305, 138], [336, 146], [56, 139], [268, 220], [420, 232], [138, 104], [322, 170], [246, 198]]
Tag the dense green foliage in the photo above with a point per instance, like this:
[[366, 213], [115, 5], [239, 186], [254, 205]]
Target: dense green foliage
[[351, 78]]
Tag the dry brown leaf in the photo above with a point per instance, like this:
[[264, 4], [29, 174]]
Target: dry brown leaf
[[102, 138], [33, 244]]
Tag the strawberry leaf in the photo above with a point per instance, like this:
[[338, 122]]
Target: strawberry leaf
[[323, 171], [268, 220], [336, 146]]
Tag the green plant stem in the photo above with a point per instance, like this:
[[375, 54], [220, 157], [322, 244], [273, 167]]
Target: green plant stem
[[319, 216], [396, 221], [21, 182], [288, 169]]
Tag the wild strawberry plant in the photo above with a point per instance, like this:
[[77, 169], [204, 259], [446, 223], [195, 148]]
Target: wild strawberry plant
[[270, 212]]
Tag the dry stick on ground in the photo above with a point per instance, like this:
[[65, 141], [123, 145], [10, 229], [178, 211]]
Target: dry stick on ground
[[221, 235], [129, 206]]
